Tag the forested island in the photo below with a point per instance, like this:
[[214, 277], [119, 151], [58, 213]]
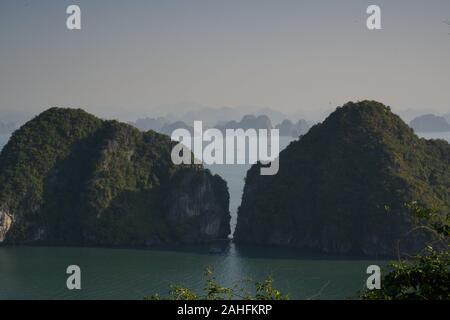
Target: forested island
[[70, 178]]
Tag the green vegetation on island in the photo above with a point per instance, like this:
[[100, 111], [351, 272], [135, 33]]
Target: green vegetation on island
[[67, 177], [335, 182]]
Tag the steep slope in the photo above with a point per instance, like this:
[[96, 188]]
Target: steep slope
[[67, 177], [335, 183]]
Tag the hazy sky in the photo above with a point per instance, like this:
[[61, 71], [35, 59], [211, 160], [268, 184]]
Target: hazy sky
[[292, 56]]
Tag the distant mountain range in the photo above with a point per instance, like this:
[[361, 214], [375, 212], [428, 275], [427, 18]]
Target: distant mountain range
[[249, 121], [430, 123], [189, 112], [289, 129]]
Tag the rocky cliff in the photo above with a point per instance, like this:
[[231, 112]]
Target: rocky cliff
[[67, 177], [343, 186]]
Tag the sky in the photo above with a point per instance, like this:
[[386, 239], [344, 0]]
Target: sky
[[305, 57]]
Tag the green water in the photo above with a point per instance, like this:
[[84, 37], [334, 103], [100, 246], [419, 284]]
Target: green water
[[39, 272]]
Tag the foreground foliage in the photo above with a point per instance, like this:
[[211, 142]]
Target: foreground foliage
[[424, 276], [263, 290]]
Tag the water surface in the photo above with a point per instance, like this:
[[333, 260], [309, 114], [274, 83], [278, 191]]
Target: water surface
[[39, 272]]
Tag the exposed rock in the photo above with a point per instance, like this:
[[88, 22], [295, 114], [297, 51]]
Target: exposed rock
[[5, 224]]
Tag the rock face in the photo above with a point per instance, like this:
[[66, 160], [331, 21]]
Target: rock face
[[430, 123], [5, 224], [342, 187], [67, 177]]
